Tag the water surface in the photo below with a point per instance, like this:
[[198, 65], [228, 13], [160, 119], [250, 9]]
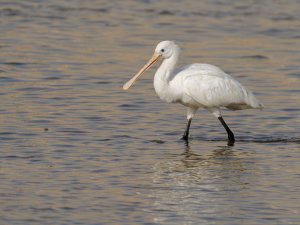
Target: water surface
[[77, 149]]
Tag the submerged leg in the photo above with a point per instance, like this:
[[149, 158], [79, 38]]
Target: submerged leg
[[231, 139], [189, 115], [187, 130]]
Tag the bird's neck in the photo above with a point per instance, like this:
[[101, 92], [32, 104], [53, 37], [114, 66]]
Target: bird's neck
[[163, 76]]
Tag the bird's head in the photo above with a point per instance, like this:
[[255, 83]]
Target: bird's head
[[166, 49], [163, 50]]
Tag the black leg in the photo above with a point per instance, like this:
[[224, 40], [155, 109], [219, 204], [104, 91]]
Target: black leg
[[231, 139], [186, 133]]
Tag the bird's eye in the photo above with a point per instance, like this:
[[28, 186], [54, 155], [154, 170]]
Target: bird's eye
[[162, 50]]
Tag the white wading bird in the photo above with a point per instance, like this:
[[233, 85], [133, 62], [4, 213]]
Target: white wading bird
[[196, 86]]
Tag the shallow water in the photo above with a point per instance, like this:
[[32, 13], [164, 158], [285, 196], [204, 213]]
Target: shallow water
[[77, 149]]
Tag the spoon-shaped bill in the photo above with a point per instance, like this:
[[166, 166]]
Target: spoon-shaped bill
[[150, 63]]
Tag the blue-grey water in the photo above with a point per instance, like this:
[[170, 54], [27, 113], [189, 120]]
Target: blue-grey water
[[77, 149]]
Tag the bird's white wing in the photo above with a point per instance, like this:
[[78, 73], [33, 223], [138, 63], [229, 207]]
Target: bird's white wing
[[213, 88]]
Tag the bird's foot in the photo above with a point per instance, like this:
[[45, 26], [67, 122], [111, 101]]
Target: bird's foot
[[231, 140], [185, 137], [230, 143]]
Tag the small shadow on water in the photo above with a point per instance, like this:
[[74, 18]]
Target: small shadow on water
[[271, 140], [258, 57], [223, 141], [252, 139]]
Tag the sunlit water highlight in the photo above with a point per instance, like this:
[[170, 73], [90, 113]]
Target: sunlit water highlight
[[77, 149]]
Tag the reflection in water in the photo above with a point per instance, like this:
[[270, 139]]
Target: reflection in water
[[86, 149], [199, 186], [191, 157]]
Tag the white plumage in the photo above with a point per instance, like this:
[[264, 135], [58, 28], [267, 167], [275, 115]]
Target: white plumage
[[196, 86]]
